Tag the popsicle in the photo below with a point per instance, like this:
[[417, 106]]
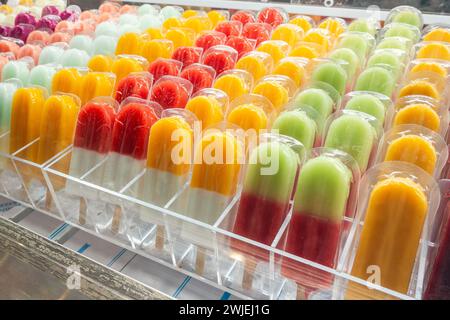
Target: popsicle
[[368, 103], [293, 68], [220, 58], [298, 125], [336, 26], [209, 106], [82, 42], [352, 133], [157, 48], [332, 74], [413, 149], [276, 48], [272, 16], [124, 65], [58, 121], [321, 199], [96, 84], [18, 69], [171, 92], [420, 87], [9, 46], [187, 55], [352, 62], [198, 23], [387, 58], [257, 31], [438, 34], [230, 28], [42, 76], [170, 11], [249, 116], [30, 50], [26, 115], [136, 85], [162, 67], [399, 43], [243, 16], [434, 50], [396, 29], [7, 90], [357, 42], [63, 37], [277, 89], [129, 43], [307, 50], [199, 75], [406, 14], [289, 33], [304, 22], [258, 64], [100, 63], [180, 37], [320, 37], [217, 16], [393, 223], [241, 44], [362, 25], [234, 83], [318, 100], [210, 39], [265, 198], [107, 28], [165, 175], [21, 31], [74, 58], [376, 79], [418, 113], [67, 80], [425, 67]]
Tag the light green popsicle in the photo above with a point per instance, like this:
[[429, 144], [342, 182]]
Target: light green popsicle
[[357, 43], [82, 42], [362, 25], [16, 69], [323, 188], [42, 76], [298, 125], [376, 79], [74, 58], [408, 17], [348, 56], [332, 74], [394, 43], [354, 135], [402, 30], [318, 100], [7, 90], [387, 58], [50, 54], [271, 171], [369, 104]]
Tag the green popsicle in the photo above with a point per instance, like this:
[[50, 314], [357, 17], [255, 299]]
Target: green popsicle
[[394, 43], [388, 58], [298, 125], [369, 104], [318, 100], [353, 134], [362, 25], [348, 56], [376, 79], [332, 74], [16, 69], [402, 30], [357, 42], [408, 17]]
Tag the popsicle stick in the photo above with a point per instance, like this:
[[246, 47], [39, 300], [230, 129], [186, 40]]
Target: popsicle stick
[[247, 277], [160, 237], [301, 293], [200, 260], [116, 219], [82, 212], [48, 200]]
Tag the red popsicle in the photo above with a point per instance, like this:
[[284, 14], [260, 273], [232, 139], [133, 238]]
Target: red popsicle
[[172, 92], [210, 39], [241, 44], [272, 16], [230, 28], [257, 31], [199, 75], [220, 58], [136, 85], [243, 16], [164, 67], [188, 55]]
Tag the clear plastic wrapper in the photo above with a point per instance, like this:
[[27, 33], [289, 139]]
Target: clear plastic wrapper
[[165, 67], [307, 50], [392, 58], [436, 70], [289, 33], [369, 26], [188, 55], [244, 16], [406, 14], [209, 106], [199, 75], [68, 80], [258, 64], [330, 76], [349, 61], [210, 39], [41, 36], [157, 48], [320, 37], [123, 65], [436, 32], [278, 89], [276, 48], [378, 79], [129, 43], [336, 26], [398, 29], [294, 68], [257, 31], [432, 50], [138, 85], [30, 50], [217, 16], [272, 16], [101, 63], [414, 144], [74, 58], [230, 28], [221, 58], [361, 43], [18, 69], [198, 23], [180, 37], [234, 83], [241, 44], [171, 92], [429, 87], [82, 42], [97, 84]]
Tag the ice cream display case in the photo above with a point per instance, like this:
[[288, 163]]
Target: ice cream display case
[[275, 150]]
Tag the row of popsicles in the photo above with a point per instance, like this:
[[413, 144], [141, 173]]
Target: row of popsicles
[[10, 10]]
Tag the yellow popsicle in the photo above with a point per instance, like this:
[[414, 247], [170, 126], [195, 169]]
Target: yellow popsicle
[[391, 232], [157, 48], [59, 117], [124, 66], [420, 87], [258, 64], [67, 81], [434, 50], [154, 33], [180, 37], [96, 84], [293, 69], [216, 17], [289, 33], [232, 84], [413, 149], [248, 116], [277, 49], [420, 114], [198, 23], [321, 37], [427, 66], [438, 34], [274, 91], [207, 110], [129, 43], [100, 63], [172, 22], [334, 26], [305, 50], [162, 147], [303, 22], [26, 114]]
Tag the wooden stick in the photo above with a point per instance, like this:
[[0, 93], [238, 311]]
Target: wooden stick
[[116, 219], [247, 277], [301, 292], [82, 211], [200, 260], [160, 237], [48, 200]]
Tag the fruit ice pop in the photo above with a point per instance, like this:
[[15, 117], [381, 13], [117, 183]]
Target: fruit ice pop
[[418, 113], [187, 55], [241, 44], [331, 74], [243, 16], [229, 28], [362, 25], [82, 42], [104, 45], [234, 83], [198, 23], [7, 90], [124, 65], [129, 142], [369, 103], [267, 190], [220, 58], [336, 26], [258, 64], [171, 92], [437, 33], [277, 89], [42, 75], [136, 85], [209, 106], [293, 68], [157, 48], [298, 125], [100, 63], [57, 125], [397, 29], [427, 68], [210, 39], [353, 133], [164, 67], [129, 43], [18, 69], [399, 43], [393, 223], [352, 62], [199, 75], [406, 14], [51, 54], [74, 58], [306, 50], [376, 79], [259, 32], [26, 115], [357, 42], [433, 50], [217, 16], [320, 204], [390, 58], [272, 16], [320, 37], [96, 84], [276, 48], [180, 37], [318, 100], [67, 80], [30, 50], [289, 33], [420, 87]]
